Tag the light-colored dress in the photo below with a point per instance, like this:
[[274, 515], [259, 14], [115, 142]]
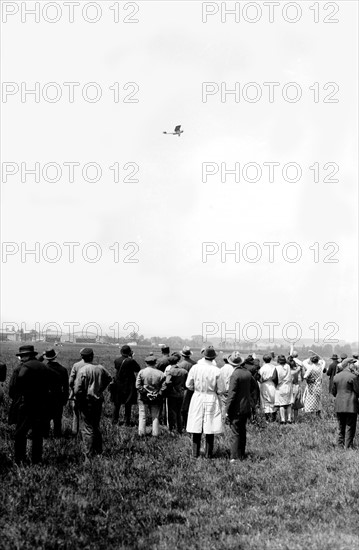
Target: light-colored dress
[[204, 414], [267, 387], [284, 389], [312, 396], [225, 374]]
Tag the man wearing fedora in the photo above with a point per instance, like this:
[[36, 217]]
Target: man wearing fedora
[[72, 379], [241, 386], [204, 415], [59, 394], [91, 382], [230, 362], [332, 370], [30, 384], [186, 363], [124, 388]]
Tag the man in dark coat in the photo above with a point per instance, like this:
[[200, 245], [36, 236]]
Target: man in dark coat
[[163, 362], [186, 363], [175, 381], [124, 389], [59, 394], [346, 392], [332, 371], [238, 408], [30, 384], [253, 366]]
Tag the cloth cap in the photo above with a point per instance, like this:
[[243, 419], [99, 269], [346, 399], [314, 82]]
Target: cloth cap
[[85, 352], [126, 350], [151, 359]]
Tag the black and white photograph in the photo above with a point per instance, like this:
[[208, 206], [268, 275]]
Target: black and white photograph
[[179, 275]]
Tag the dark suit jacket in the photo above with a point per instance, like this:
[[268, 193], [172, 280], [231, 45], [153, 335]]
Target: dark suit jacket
[[125, 380], [60, 392], [346, 390], [32, 381], [241, 386]]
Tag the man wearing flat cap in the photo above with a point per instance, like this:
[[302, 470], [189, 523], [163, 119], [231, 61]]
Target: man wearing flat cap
[[72, 379], [59, 393], [332, 370], [186, 363], [151, 386], [241, 386], [91, 382], [30, 385]]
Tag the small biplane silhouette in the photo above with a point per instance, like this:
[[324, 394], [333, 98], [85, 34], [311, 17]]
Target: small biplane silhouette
[[177, 131]]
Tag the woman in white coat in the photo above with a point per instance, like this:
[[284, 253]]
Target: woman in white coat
[[204, 415]]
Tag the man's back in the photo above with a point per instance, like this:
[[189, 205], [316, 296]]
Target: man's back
[[92, 380], [241, 385], [346, 390]]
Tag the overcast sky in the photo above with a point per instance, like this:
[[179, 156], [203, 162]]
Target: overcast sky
[[170, 211]]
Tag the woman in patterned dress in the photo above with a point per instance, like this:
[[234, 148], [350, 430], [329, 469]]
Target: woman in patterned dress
[[313, 392]]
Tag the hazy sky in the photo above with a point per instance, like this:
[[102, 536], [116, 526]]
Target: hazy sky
[[170, 212]]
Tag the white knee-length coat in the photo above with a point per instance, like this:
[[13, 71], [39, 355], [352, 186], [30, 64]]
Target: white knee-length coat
[[204, 415]]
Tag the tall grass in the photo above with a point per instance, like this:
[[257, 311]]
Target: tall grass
[[296, 490]]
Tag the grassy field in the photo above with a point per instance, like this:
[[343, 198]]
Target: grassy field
[[295, 491]]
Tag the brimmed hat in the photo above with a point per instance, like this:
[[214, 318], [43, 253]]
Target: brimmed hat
[[50, 354], [334, 356], [151, 359], [26, 350], [210, 353], [165, 349], [85, 352], [343, 356], [186, 351], [234, 359]]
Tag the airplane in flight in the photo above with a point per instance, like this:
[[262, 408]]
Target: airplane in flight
[[177, 131]]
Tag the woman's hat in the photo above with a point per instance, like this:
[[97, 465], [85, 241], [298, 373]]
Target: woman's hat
[[210, 353], [186, 351], [50, 354], [235, 359], [26, 350]]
